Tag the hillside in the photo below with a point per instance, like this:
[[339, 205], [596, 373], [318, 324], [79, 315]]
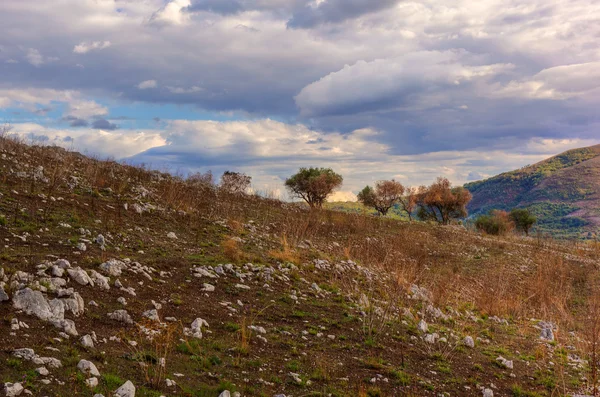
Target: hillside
[[116, 277], [563, 191]]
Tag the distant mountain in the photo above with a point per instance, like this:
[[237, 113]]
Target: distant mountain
[[562, 191]]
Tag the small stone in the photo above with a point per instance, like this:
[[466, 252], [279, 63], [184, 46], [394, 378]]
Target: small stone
[[488, 393], [91, 382], [87, 341], [43, 371], [469, 342], [422, 326], [88, 368], [126, 390]]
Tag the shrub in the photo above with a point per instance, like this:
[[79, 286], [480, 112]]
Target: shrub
[[497, 223]]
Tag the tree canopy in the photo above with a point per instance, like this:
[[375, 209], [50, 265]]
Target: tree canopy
[[313, 185]]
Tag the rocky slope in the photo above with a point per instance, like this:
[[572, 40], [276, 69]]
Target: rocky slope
[[563, 191], [115, 280]]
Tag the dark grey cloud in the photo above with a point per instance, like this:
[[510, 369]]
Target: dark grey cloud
[[335, 11], [217, 6], [75, 121], [103, 124]]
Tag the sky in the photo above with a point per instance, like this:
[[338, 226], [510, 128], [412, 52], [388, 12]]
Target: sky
[[375, 89]]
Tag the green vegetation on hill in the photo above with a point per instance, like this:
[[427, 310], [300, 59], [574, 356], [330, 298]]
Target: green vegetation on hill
[[553, 190]]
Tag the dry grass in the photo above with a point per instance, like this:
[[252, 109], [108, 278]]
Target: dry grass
[[285, 254], [232, 250], [501, 276]]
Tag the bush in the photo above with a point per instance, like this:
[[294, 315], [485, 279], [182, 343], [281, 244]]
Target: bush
[[497, 223]]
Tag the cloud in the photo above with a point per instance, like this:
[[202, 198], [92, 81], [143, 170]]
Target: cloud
[[120, 144], [426, 77], [410, 80], [180, 90], [84, 48], [335, 11], [75, 122], [342, 196], [557, 83], [84, 109], [103, 124], [144, 85], [34, 57], [217, 6], [172, 13]]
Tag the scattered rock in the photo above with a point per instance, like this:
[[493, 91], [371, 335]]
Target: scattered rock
[[469, 342], [13, 389], [87, 341], [32, 303], [126, 390], [506, 363], [88, 368], [121, 316]]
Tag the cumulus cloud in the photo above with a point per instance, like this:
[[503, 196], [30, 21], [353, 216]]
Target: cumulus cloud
[[84, 47], [387, 83]]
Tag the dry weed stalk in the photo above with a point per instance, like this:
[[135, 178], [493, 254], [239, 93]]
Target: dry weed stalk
[[154, 342]]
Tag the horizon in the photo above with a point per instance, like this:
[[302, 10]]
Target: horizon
[[375, 90]]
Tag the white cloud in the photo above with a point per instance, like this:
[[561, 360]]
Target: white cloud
[[342, 196], [83, 109], [115, 144], [172, 13], [144, 85], [387, 83], [84, 47]]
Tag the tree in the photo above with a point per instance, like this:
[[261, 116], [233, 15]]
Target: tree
[[497, 222], [408, 202], [235, 182], [385, 195], [523, 219], [313, 185], [443, 203]]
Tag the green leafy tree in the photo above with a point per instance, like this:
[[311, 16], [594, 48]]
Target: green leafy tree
[[313, 185], [523, 219]]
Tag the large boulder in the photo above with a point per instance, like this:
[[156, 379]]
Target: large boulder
[[32, 303]]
